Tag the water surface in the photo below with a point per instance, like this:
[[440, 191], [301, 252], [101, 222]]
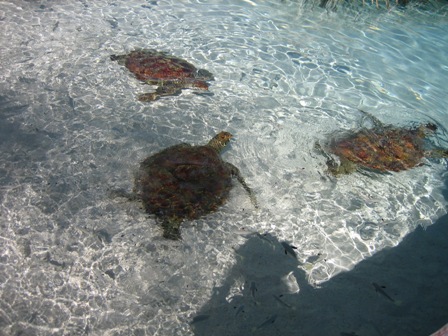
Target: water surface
[[287, 75]]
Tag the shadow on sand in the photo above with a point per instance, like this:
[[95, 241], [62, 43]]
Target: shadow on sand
[[398, 291]]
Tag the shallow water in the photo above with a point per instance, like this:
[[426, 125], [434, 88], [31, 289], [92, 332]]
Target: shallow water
[[78, 260]]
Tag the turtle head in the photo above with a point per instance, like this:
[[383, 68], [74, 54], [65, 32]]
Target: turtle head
[[425, 129], [171, 228], [204, 74], [220, 140]]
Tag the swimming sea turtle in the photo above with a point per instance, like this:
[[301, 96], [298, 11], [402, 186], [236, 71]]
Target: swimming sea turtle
[[186, 182], [382, 148], [171, 74]]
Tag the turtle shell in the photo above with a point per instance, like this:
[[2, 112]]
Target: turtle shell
[[385, 149], [156, 66], [183, 182]]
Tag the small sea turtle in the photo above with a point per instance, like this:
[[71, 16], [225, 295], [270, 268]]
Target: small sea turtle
[[186, 182], [169, 73], [381, 148]]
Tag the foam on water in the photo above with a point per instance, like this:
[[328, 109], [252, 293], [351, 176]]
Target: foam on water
[[75, 259]]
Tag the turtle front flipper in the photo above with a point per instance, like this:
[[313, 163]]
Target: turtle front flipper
[[171, 228], [345, 167], [335, 168], [146, 97], [165, 89], [376, 122], [438, 153], [236, 172]]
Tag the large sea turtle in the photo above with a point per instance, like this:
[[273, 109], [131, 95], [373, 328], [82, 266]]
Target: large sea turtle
[[381, 148], [169, 73], [186, 182]]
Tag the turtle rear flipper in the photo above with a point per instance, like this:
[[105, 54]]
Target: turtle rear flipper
[[236, 172]]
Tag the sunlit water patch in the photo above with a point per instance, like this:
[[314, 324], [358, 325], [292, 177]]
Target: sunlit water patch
[[286, 77]]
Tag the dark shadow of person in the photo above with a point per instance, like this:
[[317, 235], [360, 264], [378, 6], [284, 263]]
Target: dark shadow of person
[[260, 290], [398, 291]]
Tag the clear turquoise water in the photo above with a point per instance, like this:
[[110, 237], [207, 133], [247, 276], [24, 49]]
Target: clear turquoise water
[[287, 75]]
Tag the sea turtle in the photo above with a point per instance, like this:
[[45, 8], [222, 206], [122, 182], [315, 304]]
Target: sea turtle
[[381, 148], [186, 182], [169, 73]]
